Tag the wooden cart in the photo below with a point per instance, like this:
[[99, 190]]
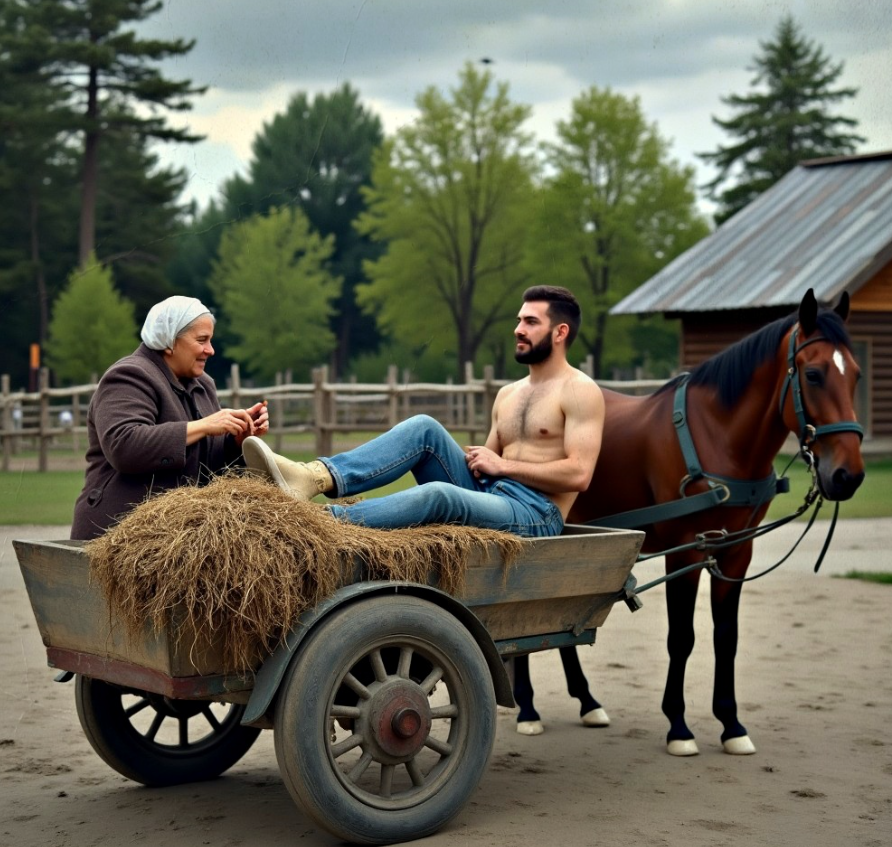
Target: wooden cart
[[382, 699]]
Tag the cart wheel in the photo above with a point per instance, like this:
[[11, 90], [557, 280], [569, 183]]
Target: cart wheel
[[386, 720], [155, 740]]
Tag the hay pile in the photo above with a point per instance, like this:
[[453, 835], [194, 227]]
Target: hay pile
[[241, 559]]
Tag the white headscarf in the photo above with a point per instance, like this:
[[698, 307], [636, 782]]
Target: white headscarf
[[168, 318]]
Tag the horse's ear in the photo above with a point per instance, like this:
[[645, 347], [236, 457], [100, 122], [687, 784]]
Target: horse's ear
[[808, 313], [842, 307]]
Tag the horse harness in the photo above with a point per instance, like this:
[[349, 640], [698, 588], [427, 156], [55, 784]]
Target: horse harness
[[725, 491]]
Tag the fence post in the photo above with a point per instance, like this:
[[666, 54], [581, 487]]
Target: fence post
[[450, 405], [75, 421], [7, 435], [235, 386], [43, 432], [489, 393], [588, 366], [276, 414], [406, 404], [393, 412], [470, 403], [321, 410]]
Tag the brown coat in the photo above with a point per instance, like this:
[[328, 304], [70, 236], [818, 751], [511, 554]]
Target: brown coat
[[136, 426]]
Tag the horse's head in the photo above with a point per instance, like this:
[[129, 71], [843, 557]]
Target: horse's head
[[817, 397]]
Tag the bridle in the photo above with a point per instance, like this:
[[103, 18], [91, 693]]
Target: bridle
[[808, 433]]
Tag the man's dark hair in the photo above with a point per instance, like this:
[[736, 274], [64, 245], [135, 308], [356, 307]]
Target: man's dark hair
[[563, 307]]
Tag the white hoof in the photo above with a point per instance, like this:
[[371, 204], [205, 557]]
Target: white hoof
[[682, 747], [740, 746], [530, 727], [596, 717]]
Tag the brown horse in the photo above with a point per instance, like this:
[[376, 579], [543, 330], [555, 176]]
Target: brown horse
[[797, 374]]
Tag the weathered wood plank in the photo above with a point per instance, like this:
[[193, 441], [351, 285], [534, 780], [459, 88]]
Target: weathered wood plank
[[556, 585]]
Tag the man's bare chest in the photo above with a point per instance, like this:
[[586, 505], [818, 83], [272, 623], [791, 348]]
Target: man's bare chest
[[531, 414]]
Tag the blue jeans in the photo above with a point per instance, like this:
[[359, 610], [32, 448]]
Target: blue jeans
[[447, 492]]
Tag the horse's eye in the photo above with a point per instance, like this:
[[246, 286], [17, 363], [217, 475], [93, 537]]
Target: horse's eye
[[814, 377]]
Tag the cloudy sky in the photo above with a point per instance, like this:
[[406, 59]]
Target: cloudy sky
[[678, 56]]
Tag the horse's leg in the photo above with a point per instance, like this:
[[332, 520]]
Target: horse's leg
[[681, 595], [528, 720], [577, 686], [725, 605]]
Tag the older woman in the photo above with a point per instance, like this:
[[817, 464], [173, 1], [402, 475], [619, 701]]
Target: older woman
[[155, 422]]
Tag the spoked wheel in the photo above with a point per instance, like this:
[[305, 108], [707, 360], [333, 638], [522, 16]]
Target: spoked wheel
[[386, 720], [159, 741]]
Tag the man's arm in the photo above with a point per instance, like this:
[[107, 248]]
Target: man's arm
[[583, 407]]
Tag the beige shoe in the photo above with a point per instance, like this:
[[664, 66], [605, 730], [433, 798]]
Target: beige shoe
[[303, 481]]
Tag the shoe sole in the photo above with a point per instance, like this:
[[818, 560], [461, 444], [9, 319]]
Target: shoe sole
[[259, 458]]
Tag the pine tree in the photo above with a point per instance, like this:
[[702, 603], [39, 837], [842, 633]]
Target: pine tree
[[786, 121], [106, 71]]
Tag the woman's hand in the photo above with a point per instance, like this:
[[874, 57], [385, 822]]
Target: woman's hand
[[258, 416]]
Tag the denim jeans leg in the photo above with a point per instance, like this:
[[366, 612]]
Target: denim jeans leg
[[507, 506], [420, 445]]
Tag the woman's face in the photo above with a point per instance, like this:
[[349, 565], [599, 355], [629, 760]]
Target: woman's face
[[192, 349]]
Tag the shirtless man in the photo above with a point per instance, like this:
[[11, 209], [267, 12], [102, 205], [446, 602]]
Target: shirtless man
[[540, 452]]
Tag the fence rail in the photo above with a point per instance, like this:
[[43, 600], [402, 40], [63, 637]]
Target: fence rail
[[39, 419]]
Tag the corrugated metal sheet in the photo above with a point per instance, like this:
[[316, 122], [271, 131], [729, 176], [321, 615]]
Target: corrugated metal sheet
[[826, 225]]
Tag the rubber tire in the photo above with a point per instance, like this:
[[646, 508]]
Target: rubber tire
[[302, 718], [122, 746]]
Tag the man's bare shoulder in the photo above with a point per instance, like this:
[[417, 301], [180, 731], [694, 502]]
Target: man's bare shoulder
[[579, 387]]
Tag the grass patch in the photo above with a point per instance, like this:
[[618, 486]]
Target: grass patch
[[28, 497], [872, 500], [868, 576]]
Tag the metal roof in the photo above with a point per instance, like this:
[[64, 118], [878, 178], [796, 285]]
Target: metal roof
[[826, 225]]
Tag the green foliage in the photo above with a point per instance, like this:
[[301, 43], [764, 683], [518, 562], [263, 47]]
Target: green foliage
[[101, 72], [783, 121], [315, 156], [92, 326], [71, 76], [276, 292], [615, 211], [450, 198], [881, 577]]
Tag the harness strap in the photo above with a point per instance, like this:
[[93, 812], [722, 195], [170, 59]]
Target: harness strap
[[662, 511], [722, 490], [680, 420], [808, 433]]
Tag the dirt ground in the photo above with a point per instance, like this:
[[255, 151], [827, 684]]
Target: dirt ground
[[814, 687]]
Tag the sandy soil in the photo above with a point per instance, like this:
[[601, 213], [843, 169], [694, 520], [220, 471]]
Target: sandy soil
[[814, 686]]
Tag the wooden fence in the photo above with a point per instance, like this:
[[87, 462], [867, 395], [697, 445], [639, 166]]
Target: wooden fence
[[40, 420]]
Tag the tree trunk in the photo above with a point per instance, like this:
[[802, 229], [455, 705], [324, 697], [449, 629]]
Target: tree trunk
[[598, 344], [39, 276], [87, 242]]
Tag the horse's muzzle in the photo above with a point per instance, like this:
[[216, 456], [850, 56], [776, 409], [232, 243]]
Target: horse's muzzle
[[840, 484]]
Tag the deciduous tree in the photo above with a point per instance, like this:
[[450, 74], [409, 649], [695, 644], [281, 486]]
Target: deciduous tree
[[275, 292], [615, 209], [450, 198], [92, 325]]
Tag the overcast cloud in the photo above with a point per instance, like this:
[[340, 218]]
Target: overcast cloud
[[678, 56]]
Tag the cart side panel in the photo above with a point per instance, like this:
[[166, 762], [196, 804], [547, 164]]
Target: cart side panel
[[556, 585], [72, 613]]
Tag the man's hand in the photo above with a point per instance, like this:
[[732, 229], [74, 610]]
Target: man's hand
[[483, 462]]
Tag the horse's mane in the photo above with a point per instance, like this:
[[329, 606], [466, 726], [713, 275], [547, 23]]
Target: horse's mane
[[731, 371]]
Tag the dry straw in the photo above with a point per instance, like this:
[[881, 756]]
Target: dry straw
[[239, 560]]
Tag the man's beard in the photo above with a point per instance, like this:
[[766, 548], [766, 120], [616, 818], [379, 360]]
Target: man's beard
[[536, 354]]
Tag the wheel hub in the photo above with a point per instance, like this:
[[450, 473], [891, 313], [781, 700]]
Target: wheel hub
[[397, 721]]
